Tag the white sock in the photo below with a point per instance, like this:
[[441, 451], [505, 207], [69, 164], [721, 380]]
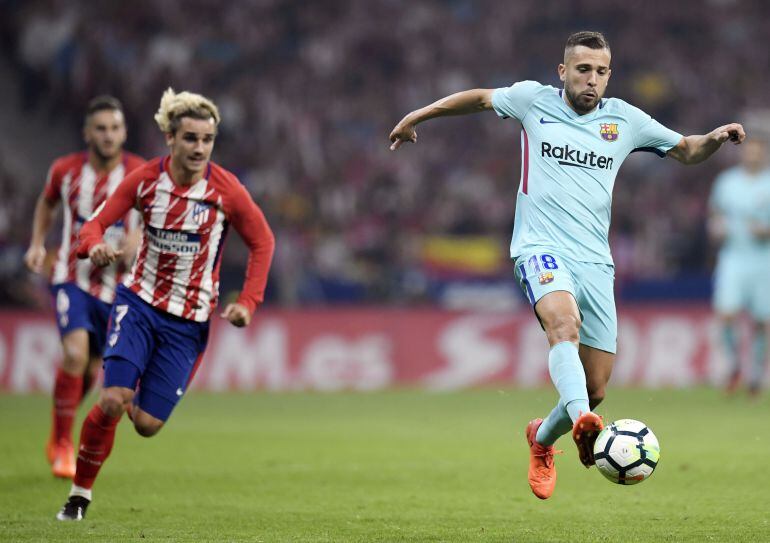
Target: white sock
[[80, 491]]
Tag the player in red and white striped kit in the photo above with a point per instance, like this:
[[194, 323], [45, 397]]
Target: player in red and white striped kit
[[160, 318], [82, 292]]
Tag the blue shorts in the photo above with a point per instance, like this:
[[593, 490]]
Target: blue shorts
[[740, 283], [592, 285], [152, 349], [76, 309]]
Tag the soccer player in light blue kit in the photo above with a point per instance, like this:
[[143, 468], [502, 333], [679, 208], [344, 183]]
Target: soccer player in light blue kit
[[740, 221], [573, 143]]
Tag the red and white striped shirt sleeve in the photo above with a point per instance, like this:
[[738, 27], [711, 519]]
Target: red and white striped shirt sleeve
[[113, 209], [250, 223], [53, 181]]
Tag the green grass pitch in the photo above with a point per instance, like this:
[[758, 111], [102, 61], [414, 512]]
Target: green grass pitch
[[394, 466]]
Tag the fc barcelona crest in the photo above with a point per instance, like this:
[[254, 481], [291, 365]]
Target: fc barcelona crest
[[545, 278], [609, 131]]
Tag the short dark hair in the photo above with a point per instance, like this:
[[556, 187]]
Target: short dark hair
[[586, 38], [102, 103]]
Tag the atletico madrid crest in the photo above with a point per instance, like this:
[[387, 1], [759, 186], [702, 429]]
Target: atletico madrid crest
[[609, 131], [200, 212]]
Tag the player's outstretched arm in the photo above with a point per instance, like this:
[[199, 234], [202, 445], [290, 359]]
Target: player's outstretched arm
[[695, 149], [41, 224], [249, 221], [461, 103]]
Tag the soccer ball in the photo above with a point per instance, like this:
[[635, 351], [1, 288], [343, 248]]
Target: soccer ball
[[626, 452]]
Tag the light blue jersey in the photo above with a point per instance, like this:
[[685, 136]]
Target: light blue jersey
[[742, 198], [743, 265], [569, 164]]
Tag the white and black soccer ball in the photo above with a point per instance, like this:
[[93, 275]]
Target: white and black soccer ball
[[626, 452]]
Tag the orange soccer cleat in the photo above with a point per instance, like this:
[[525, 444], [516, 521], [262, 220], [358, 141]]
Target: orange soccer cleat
[[584, 432], [542, 471], [64, 461]]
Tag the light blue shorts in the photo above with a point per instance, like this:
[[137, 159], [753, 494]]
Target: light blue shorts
[[741, 283], [590, 283]]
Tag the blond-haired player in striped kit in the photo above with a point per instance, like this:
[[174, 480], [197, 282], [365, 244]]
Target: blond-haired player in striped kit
[[160, 319]]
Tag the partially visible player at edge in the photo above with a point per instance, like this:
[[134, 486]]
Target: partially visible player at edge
[[573, 143], [160, 319], [740, 222], [82, 293]]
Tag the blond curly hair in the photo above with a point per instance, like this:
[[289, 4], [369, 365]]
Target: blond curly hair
[[173, 107]]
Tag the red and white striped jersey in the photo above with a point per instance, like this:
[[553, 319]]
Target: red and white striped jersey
[[177, 264], [82, 190]]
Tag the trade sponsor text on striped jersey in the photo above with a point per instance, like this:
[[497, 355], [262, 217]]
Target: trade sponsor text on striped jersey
[[177, 264]]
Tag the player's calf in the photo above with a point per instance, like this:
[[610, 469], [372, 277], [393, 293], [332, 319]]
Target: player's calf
[[595, 398], [59, 449]]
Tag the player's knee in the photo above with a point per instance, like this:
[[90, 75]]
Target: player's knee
[[146, 425], [75, 359], [564, 328], [112, 402]]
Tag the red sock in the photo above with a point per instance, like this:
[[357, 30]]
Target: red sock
[[66, 397], [96, 439]]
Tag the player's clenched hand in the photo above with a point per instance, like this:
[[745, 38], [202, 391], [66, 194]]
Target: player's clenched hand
[[404, 131], [102, 254], [34, 258], [733, 132], [237, 314]]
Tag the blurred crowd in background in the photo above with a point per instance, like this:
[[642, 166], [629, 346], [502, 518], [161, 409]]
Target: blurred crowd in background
[[309, 92]]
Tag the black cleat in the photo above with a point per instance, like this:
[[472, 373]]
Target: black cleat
[[74, 509]]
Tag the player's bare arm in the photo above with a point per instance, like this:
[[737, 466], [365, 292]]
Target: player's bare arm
[[695, 149], [41, 224], [461, 103]]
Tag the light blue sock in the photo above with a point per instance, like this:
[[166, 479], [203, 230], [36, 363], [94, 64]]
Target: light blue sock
[[555, 425], [569, 378], [758, 362], [730, 340]]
